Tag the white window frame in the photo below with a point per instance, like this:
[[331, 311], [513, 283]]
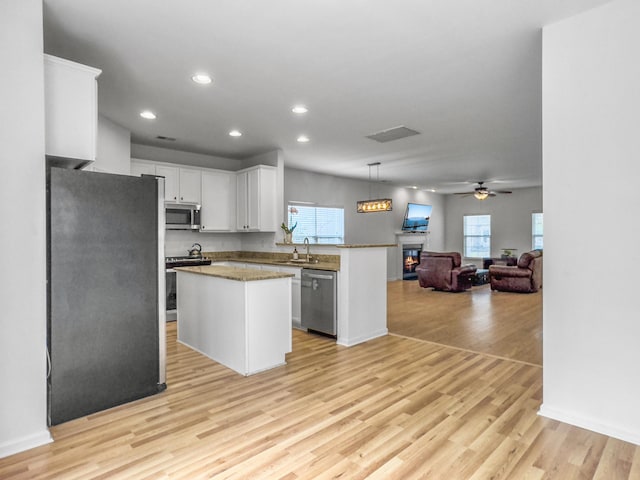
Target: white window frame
[[314, 238], [534, 235], [466, 236]]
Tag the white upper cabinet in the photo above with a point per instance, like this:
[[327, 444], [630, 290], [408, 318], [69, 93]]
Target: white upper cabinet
[[256, 199], [181, 185], [171, 182], [190, 179], [244, 201], [218, 201], [71, 108]]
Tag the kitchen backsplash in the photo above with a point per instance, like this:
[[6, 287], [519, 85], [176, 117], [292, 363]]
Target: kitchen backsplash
[[178, 242]]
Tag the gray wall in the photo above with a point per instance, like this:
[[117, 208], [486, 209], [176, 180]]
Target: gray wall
[[510, 219], [23, 403], [157, 154], [306, 186]]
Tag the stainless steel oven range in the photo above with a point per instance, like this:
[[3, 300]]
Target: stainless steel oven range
[[171, 287]]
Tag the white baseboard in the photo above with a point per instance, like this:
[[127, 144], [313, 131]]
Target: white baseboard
[[25, 443], [350, 342], [590, 424]]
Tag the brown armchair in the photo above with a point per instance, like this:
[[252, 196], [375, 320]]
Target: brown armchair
[[525, 277], [442, 271]]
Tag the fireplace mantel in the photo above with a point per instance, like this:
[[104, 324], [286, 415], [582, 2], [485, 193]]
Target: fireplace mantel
[[413, 238]]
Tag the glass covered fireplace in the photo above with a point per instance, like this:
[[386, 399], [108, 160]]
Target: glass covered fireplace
[[410, 260]]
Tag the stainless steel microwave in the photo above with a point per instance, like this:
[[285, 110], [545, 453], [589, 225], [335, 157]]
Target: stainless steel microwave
[[182, 217]]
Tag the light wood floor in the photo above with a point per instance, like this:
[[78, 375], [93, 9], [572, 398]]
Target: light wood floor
[[498, 323], [391, 408]]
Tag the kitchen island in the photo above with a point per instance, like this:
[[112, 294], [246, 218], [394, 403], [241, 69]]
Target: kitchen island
[[362, 282], [238, 317]]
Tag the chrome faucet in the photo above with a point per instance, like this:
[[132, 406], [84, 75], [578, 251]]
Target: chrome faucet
[[306, 243]]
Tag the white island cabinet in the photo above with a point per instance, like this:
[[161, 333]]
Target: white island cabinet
[[239, 317]]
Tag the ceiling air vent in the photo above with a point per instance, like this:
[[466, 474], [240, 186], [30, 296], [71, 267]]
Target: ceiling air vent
[[391, 134]]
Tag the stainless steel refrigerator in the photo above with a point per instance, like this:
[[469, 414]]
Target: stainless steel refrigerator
[[105, 271]]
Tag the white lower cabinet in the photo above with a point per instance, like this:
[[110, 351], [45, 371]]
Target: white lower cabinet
[[295, 294], [295, 289]]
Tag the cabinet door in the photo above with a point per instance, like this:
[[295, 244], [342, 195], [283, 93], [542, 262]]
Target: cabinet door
[[253, 199], [71, 108], [296, 302], [171, 185], [189, 185], [218, 201], [241, 202], [268, 202], [256, 200], [138, 169], [295, 294]]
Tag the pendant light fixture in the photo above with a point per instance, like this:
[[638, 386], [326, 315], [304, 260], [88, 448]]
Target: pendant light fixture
[[379, 204]]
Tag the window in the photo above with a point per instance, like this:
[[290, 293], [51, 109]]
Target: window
[[477, 236], [536, 230], [318, 224]]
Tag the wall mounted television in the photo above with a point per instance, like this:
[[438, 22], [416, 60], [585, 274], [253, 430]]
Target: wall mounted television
[[416, 217]]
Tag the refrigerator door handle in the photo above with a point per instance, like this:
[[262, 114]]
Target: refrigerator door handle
[[162, 295]]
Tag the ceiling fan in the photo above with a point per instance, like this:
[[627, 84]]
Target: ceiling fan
[[482, 193]]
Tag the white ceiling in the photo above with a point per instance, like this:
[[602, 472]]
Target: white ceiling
[[464, 73]]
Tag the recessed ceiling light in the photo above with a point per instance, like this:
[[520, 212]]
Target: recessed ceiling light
[[148, 114], [303, 139], [299, 109], [201, 78], [235, 133]]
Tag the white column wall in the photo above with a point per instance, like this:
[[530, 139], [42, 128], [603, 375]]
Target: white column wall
[[591, 100], [113, 148], [22, 237]]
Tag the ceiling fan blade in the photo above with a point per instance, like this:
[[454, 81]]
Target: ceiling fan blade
[[464, 194], [502, 191]]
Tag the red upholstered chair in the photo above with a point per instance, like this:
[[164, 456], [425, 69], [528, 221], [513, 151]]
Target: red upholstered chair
[[443, 271], [525, 277]]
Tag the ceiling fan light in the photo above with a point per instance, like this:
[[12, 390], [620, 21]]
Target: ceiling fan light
[[481, 194]]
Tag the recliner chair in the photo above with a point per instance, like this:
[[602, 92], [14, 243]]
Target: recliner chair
[[443, 271], [525, 277]]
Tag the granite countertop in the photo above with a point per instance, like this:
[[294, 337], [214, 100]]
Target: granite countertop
[[325, 262], [331, 266], [234, 273], [366, 245], [338, 245]]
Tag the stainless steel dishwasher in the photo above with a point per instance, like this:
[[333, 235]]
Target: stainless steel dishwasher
[[319, 304]]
